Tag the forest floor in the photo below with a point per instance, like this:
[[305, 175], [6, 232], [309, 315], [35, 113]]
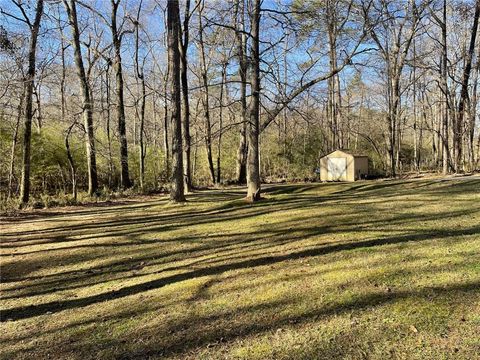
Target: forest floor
[[372, 269]]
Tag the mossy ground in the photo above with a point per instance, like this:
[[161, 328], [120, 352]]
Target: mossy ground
[[369, 270]]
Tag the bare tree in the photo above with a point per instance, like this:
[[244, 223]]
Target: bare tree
[[29, 84], [394, 37], [87, 106], [205, 91]]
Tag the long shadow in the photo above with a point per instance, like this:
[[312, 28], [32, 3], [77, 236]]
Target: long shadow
[[192, 340], [351, 193], [335, 226], [56, 306]]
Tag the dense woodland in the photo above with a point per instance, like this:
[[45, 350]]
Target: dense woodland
[[100, 96]]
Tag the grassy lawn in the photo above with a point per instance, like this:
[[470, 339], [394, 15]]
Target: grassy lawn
[[370, 270]]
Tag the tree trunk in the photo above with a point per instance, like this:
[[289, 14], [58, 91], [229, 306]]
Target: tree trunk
[[206, 96], [111, 168], [11, 171], [87, 107], [29, 82], [166, 144], [241, 162], [458, 131], [71, 162], [444, 76], [473, 114], [187, 171], [253, 160], [125, 182], [173, 26], [219, 148], [140, 80]]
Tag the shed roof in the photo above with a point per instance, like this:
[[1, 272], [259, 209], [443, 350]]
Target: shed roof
[[353, 153]]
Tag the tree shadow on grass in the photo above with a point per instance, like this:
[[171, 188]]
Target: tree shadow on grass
[[231, 253], [195, 339], [224, 247], [24, 312]]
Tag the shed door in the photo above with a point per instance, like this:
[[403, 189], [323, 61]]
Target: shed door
[[337, 169]]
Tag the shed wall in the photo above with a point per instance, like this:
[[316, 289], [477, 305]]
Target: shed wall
[[361, 167], [357, 167]]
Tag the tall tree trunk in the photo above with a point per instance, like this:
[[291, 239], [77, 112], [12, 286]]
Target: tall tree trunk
[[187, 168], [220, 131], [166, 142], [140, 80], [38, 110], [29, 82], [122, 132], [458, 131], [111, 168], [241, 162], [173, 26], [473, 114], [206, 95], [11, 171], [253, 160], [444, 76], [333, 84], [87, 107]]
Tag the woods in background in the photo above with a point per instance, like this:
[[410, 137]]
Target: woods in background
[[208, 92]]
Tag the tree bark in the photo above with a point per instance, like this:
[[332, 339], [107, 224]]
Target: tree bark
[[125, 182], [444, 77], [73, 169], [173, 27], [458, 131], [11, 171], [29, 82], [166, 143], [187, 168], [140, 80], [206, 95], [253, 160], [241, 162], [220, 116]]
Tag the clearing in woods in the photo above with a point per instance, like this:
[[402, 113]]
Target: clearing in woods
[[364, 270]]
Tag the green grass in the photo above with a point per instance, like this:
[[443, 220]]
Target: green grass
[[369, 270]]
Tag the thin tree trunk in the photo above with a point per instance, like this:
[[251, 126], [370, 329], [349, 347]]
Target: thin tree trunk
[[187, 171], [87, 107], [166, 145], [241, 161], [444, 76], [220, 131], [140, 80], [206, 97], [109, 137], [71, 162], [11, 171], [38, 110], [29, 82]]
